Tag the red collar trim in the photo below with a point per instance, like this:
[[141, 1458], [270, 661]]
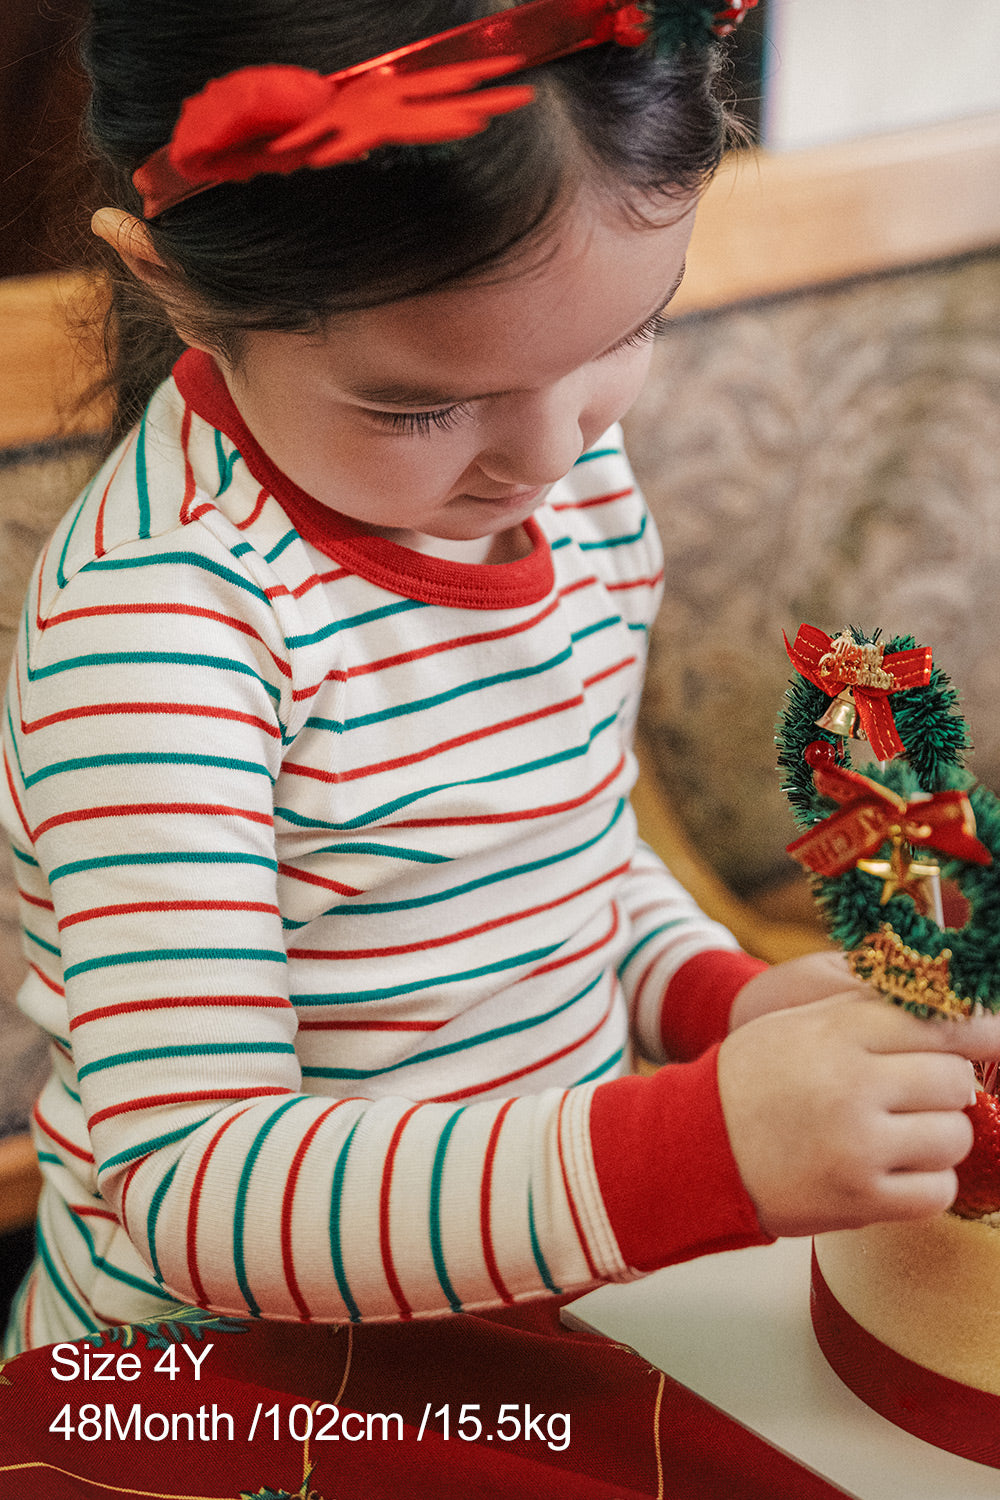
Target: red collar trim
[[414, 575]]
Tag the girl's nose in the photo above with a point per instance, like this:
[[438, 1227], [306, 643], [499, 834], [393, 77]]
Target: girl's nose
[[536, 439]]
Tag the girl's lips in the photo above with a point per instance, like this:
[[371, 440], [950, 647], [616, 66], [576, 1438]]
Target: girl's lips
[[512, 498]]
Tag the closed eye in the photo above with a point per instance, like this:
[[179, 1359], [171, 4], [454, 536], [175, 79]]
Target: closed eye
[[421, 423], [653, 328], [444, 418]]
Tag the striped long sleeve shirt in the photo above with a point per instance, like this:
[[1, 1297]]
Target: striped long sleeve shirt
[[334, 908]]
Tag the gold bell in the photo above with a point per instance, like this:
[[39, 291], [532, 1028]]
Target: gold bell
[[841, 717]]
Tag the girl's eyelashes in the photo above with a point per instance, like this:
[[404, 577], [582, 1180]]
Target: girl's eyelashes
[[653, 328], [420, 423]]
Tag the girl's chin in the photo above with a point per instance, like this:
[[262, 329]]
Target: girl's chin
[[474, 524]]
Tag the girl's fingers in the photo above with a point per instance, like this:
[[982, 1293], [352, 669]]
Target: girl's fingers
[[849, 1111], [927, 1080], [931, 1142], [918, 1195], [977, 1037], [888, 1028]]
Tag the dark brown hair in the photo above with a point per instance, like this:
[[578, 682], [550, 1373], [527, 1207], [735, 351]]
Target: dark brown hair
[[288, 252]]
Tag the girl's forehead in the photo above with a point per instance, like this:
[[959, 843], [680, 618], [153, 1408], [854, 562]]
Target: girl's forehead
[[587, 286]]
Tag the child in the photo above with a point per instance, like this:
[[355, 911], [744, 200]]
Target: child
[[318, 732]]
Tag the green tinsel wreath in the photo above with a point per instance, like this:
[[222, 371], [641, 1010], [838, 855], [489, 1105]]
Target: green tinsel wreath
[[935, 740]]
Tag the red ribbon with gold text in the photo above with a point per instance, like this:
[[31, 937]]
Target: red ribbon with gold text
[[871, 814], [815, 657], [958, 1418]]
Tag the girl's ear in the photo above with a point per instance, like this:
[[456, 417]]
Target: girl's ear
[[131, 242], [129, 238]]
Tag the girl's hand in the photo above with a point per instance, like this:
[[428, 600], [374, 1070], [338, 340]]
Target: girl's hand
[[847, 1112], [814, 976]]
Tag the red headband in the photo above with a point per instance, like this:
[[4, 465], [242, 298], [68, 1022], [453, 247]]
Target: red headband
[[277, 118]]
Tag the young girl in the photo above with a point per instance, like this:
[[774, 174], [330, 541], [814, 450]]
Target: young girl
[[317, 742]]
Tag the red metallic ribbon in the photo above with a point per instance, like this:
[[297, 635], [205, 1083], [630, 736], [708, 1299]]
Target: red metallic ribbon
[[276, 119], [908, 669], [958, 1418], [870, 814]]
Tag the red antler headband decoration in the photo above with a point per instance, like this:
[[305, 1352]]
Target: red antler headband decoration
[[278, 118]]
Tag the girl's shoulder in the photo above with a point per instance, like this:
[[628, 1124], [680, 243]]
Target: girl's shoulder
[[176, 486]]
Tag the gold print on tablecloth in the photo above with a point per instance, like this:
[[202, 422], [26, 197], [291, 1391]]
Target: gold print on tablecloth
[[188, 1323]]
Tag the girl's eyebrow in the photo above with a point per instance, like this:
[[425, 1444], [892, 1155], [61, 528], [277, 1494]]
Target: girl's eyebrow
[[401, 394]]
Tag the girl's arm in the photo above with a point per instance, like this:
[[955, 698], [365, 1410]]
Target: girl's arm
[[690, 984], [839, 1113], [681, 971]]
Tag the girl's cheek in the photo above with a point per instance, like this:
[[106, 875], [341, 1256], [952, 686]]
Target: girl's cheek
[[612, 401]]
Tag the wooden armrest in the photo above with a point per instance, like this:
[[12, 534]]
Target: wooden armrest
[[44, 370], [777, 222], [20, 1183]]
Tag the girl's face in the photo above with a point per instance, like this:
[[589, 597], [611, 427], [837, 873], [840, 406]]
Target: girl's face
[[442, 420]]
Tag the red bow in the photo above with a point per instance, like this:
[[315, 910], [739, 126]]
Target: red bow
[[871, 814], [815, 654], [629, 27]]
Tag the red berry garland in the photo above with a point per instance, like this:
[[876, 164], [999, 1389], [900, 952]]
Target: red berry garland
[[979, 1173]]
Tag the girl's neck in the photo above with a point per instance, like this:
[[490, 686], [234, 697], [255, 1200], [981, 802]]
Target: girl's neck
[[506, 546]]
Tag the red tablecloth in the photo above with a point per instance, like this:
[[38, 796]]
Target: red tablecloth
[[511, 1404]]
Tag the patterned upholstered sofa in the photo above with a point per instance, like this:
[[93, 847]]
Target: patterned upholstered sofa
[[831, 457]]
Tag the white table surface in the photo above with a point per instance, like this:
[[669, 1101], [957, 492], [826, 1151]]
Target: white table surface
[[735, 1329]]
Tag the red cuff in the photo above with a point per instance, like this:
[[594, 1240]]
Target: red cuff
[[665, 1167], [699, 998]]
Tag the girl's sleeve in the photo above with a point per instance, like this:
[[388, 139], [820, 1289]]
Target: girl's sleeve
[[143, 743], [682, 971], [661, 1148]]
